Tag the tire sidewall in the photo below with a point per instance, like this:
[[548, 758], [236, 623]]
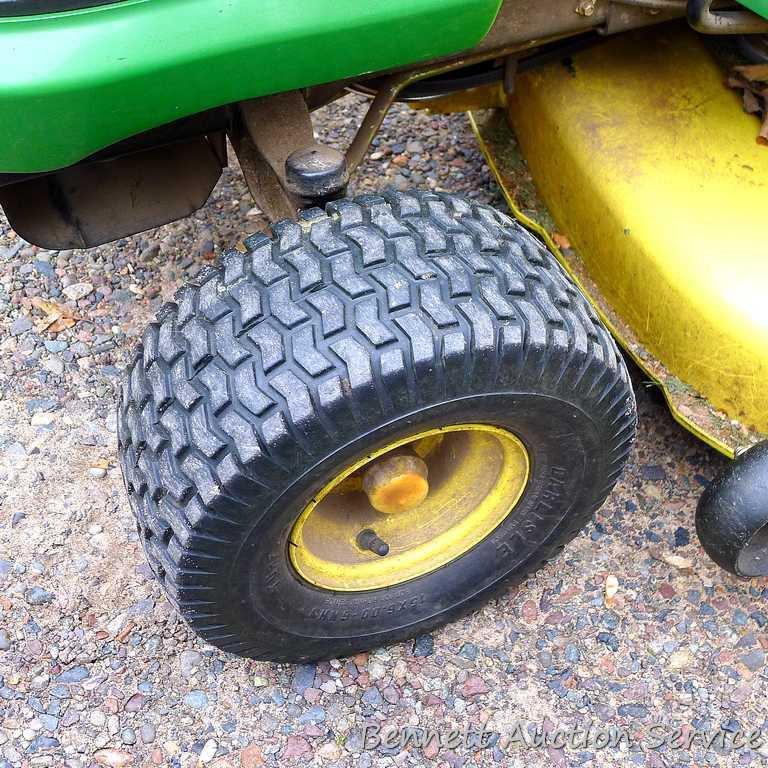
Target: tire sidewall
[[566, 460]]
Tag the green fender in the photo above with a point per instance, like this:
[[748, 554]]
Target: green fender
[[72, 83], [758, 6]]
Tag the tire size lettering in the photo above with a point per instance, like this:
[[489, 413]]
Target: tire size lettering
[[372, 612]]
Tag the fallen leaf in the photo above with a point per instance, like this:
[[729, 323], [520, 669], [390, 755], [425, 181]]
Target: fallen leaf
[[57, 317], [753, 72], [47, 306], [751, 104], [676, 561], [561, 241], [61, 325], [752, 81]]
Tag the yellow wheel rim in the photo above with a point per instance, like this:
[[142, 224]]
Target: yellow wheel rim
[[475, 475]]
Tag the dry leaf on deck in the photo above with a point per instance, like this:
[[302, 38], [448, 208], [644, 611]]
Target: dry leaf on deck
[[752, 81], [753, 72]]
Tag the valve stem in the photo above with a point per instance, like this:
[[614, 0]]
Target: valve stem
[[367, 539]]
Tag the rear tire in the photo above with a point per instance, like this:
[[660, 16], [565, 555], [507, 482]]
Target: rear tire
[[374, 320]]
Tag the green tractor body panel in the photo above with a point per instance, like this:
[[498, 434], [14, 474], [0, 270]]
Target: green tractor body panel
[[758, 6], [72, 83]]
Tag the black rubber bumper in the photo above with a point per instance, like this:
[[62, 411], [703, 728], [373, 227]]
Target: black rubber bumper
[[732, 515]]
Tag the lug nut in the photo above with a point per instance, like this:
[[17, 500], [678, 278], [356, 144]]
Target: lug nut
[[368, 539]]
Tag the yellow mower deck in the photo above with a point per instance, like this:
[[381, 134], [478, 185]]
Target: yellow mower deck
[[651, 171]]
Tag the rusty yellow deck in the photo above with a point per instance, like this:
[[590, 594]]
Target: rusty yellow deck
[[651, 170]]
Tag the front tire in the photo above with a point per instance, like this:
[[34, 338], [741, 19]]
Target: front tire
[[361, 327]]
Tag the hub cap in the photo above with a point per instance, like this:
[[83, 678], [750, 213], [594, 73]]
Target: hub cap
[[409, 508]]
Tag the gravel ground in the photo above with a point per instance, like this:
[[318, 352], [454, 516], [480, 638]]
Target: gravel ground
[[95, 667]]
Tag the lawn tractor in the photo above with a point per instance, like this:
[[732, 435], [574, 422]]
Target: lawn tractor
[[381, 413]]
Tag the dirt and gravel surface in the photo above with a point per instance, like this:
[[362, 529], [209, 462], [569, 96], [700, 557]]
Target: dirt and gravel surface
[[96, 669]]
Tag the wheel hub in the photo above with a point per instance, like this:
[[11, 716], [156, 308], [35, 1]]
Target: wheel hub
[[409, 508], [396, 483]]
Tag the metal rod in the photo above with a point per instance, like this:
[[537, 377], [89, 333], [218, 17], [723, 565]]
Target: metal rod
[[704, 19], [654, 5]]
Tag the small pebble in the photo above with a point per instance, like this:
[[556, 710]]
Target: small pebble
[[20, 325], [189, 662], [128, 736], [303, 677], [77, 291], [208, 752], [196, 700], [424, 645], [39, 596]]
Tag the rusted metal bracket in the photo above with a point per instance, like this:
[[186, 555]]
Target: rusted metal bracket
[[264, 133], [284, 167]]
